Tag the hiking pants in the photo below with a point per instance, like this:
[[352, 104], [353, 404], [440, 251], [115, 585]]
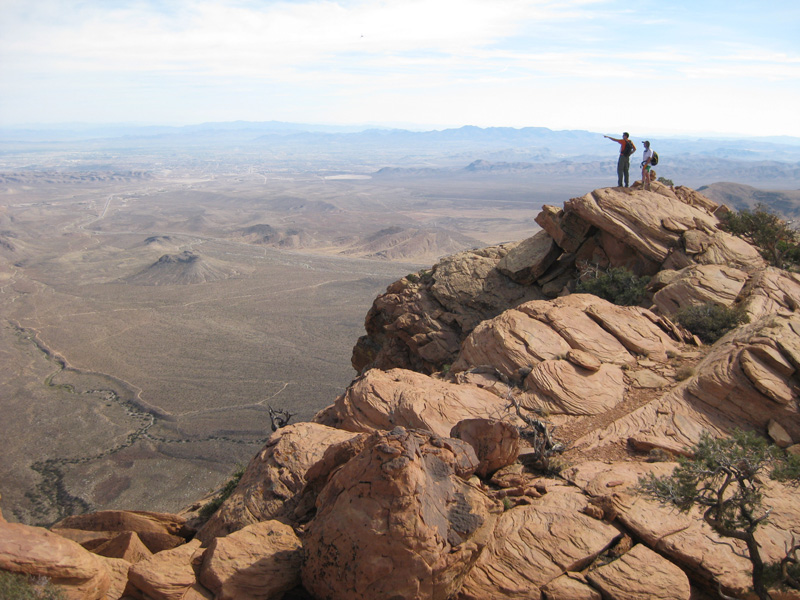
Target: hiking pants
[[623, 168]]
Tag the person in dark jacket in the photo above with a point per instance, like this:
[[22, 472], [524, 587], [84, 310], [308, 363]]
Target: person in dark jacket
[[626, 148]]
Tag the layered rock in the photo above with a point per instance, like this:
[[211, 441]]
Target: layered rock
[[686, 539], [386, 399], [748, 379], [641, 573], [398, 520], [533, 545], [420, 322]]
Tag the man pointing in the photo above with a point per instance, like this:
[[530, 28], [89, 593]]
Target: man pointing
[[624, 163]]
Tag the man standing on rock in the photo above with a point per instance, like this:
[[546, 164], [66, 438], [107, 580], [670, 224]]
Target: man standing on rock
[[624, 164]]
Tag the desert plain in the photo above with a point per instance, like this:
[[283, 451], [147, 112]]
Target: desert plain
[[150, 317]]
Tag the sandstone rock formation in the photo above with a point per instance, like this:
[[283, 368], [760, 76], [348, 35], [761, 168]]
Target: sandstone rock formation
[[36, 551], [401, 517], [533, 545], [260, 562], [386, 399], [272, 478], [435, 475], [157, 531]]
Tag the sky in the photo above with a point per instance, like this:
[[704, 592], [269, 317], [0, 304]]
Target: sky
[[669, 68]]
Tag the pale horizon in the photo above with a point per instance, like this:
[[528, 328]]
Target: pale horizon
[[681, 68]]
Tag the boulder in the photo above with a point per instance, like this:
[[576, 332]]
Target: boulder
[[535, 544], [585, 360], [509, 342], [157, 531], [567, 229], [496, 443], [259, 562], [778, 434], [386, 399], [118, 575], [168, 575], [398, 521], [35, 551], [529, 259], [700, 284], [127, 546], [641, 573], [272, 479]]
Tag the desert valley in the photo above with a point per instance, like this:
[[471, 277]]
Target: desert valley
[[160, 293]]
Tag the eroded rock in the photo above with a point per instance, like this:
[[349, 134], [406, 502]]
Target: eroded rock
[[259, 562], [273, 478], [402, 519]]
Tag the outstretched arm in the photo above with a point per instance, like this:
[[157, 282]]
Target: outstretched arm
[[613, 139]]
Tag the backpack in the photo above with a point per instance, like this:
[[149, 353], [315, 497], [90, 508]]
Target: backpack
[[654, 159], [629, 148]]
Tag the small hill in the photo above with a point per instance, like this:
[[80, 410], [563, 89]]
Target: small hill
[[164, 243], [181, 269], [267, 235], [739, 196], [411, 243]]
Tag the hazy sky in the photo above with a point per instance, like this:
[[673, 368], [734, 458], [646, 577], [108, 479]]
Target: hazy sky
[[694, 66]]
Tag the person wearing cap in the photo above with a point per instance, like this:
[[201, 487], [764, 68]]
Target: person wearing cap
[[647, 156], [624, 163]]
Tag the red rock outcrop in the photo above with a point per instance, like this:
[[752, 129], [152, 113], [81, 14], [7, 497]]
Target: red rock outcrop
[[419, 323], [641, 573], [168, 575], [398, 521], [272, 479], [259, 562], [496, 443], [157, 531], [387, 399], [36, 551], [533, 545]]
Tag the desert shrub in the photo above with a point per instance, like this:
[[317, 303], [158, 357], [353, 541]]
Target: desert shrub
[[777, 242], [211, 507], [725, 478], [666, 181], [618, 285], [17, 586], [710, 321]]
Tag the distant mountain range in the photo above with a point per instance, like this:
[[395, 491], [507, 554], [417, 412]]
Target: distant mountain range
[[530, 144]]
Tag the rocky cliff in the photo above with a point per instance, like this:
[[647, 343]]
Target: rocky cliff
[[425, 479]]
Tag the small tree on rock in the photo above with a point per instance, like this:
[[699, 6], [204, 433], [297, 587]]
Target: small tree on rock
[[723, 478]]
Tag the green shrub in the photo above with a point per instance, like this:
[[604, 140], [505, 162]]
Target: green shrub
[[778, 243], [618, 285], [16, 586], [666, 181], [710, 321], [211, 507]]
